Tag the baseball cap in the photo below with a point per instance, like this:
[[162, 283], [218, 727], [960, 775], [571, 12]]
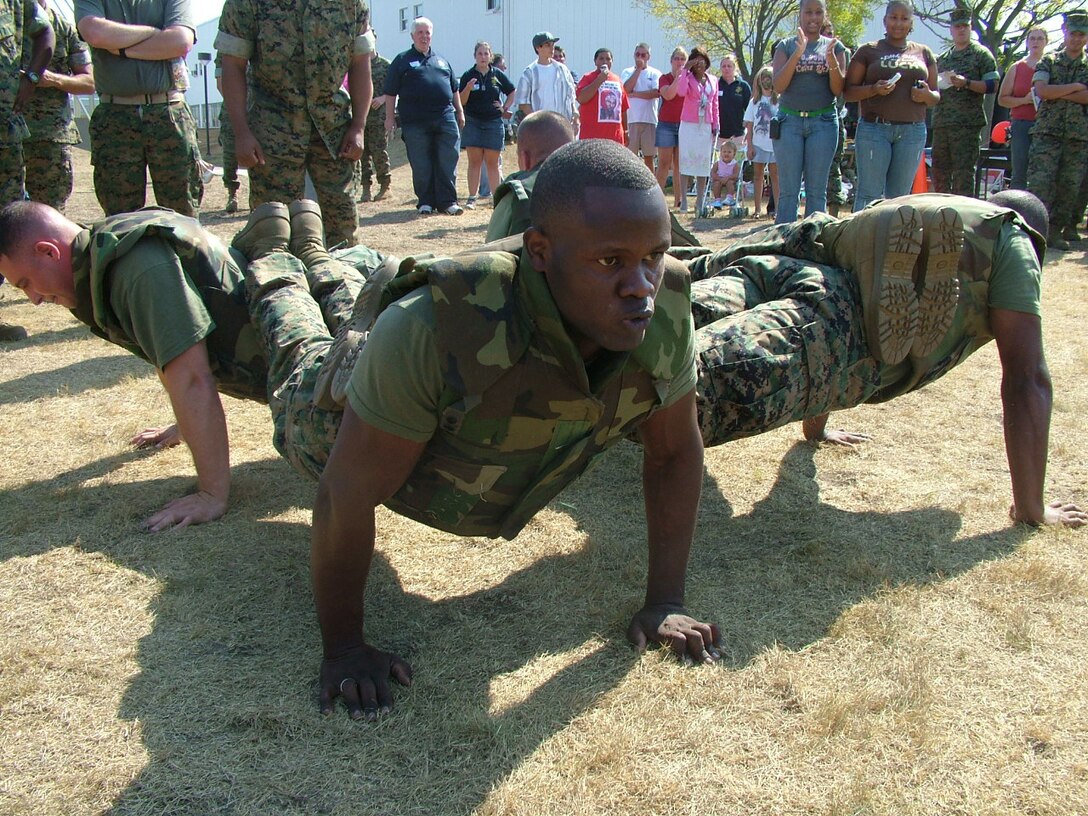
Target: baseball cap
[[543, 37]]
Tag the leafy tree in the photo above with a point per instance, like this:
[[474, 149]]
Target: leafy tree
[[750, 28], [1001, 25]]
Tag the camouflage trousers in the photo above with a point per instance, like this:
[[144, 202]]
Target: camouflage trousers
[[835, 194], [128, 140], [298, 312], [777, 339], [230, 157], [375, 150], [1056, 169], [955, 158], [49, 176], [282, 178], [11, 173]]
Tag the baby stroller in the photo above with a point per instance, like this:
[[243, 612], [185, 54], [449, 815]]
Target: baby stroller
[[736, 209]]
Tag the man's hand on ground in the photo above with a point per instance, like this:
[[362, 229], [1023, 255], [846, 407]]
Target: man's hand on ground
[[670, 626], [1065, 514], [196, 508], [848, 439], [361, 677], [165, 437]]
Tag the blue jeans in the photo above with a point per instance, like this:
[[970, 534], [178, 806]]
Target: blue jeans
[[806, 146], [887, 158], [1020, 138], [433, 148]]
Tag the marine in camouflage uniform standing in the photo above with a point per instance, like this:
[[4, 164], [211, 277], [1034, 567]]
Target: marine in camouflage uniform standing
[[959, 117], [20, 21], [1058, 161], [294, 116], [226, 142], [376, 143], [47, 154], [142, 122]]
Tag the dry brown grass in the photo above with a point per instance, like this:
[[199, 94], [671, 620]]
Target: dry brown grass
[[893, 646]]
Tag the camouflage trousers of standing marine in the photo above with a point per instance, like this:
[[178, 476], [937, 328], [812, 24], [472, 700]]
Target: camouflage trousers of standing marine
[[282, 178], [1057, 170], [230, 156], [11, 173], [955, 158], [128, 140], [49, 176], [375, 151], [298, 312]]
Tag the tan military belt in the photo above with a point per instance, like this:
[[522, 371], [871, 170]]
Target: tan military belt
[[144, 99]]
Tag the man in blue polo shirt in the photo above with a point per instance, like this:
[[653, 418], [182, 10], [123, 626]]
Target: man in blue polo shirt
[[430, 118]]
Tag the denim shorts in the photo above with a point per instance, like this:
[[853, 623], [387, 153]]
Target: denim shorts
[[762, 156], [668, 134], [486, 133]]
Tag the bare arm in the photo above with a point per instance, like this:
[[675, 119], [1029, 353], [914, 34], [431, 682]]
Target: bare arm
[[1026, 395], [170, 43], [80, 81], [361, 91], [1004, 93], [836, 68], [246, 147], [853, 88], [41, 51], [585, 94], [672, 480], [784, 67], [110, 35], [199, 412], [365, 468]]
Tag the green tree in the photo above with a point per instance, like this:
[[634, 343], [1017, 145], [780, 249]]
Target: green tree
[[1001, 25], [750, 28]]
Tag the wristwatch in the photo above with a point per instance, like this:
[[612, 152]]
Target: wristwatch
[[34, 77]]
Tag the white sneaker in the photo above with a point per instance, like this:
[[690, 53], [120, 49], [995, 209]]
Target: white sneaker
[[470, 203], [426, 209], [453, 209]]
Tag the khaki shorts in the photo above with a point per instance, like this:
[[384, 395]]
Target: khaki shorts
[[642, 135]]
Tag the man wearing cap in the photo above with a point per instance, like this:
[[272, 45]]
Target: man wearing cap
[[970, 72], [142, 121], [547, 84], [1058, 159], [293, 116]]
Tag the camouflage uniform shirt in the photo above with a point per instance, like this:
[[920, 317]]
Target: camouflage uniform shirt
[[49, 112], [1060, 117], [19, 20], [959, 106], [297, 66], [475, 361]]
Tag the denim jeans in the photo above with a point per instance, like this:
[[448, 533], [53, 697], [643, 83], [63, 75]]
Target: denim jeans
[[887, 159], [806, 146], [433, 148], [1020, 138]]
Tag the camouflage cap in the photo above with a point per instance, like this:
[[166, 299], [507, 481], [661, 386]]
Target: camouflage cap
[[960, 16], [1077, 21]]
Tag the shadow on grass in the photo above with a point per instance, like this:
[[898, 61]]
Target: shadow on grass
[[45, 338], [226, 694], [92, 374]]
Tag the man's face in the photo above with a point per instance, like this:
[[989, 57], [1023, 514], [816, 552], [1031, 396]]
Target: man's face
[[642, 57], [44, 273], [546, 51], [421, 37], [961, 34], [603, 59], [1074, 41], [604, 266]]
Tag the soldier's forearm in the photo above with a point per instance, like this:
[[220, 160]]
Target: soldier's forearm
[[170, 43], [111, 35]]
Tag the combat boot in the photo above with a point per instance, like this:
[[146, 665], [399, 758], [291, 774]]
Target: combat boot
[[330, 389], [308, 233], [365, 197], [10, 333], [267, 230], [232, 201], [881, 245], [939, 292], [1054, 239], [383, 190]]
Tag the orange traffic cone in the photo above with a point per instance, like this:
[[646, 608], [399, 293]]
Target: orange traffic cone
[[921, 185]]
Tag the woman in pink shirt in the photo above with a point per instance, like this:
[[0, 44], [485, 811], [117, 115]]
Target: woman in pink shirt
[[1015, 94], [698, 125]]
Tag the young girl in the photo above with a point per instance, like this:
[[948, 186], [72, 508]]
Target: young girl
[[724, 175], [757, 124]]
